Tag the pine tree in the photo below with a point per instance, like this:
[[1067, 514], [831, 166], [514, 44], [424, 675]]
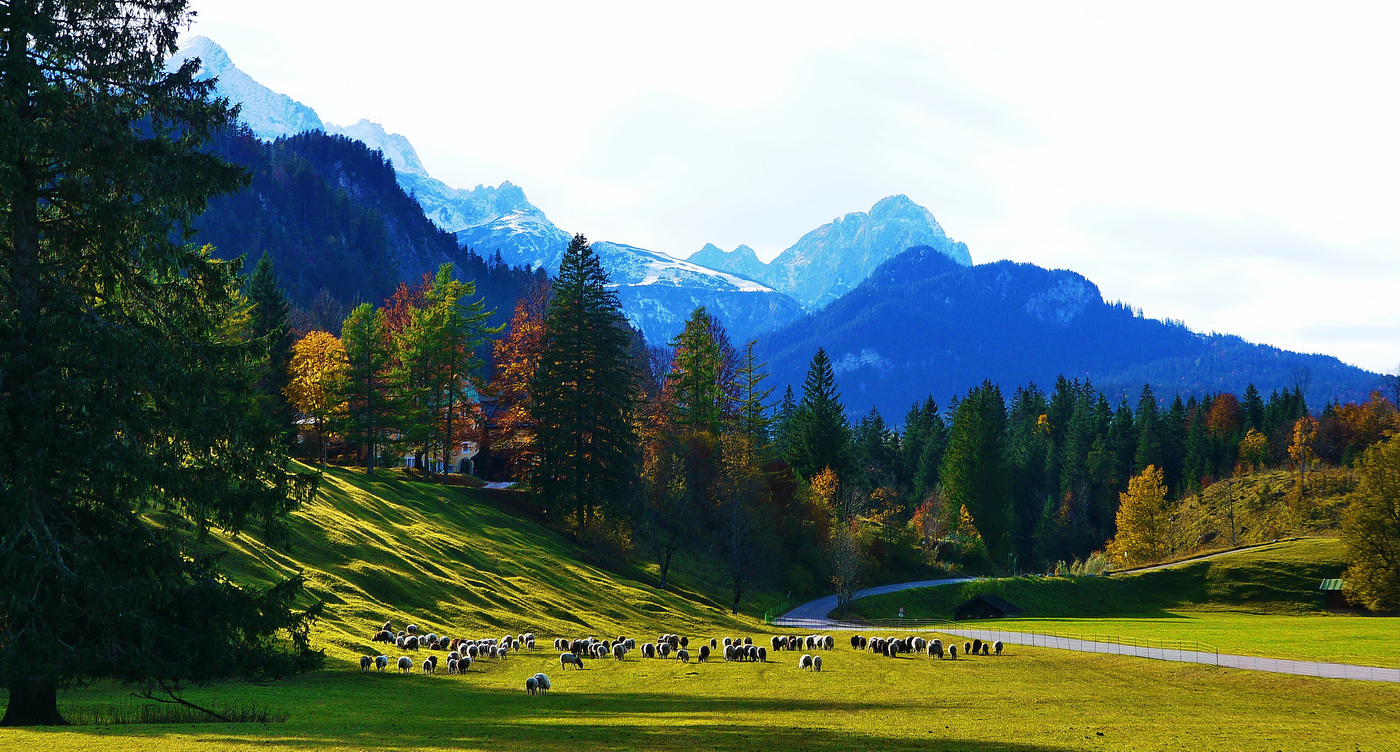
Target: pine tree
[[127, 384], [1253, 407], [784, 423], [751, 412], [458, 327], [821, 436], [1149, 431], [365, 390], [974, 467], [584, 394], [697, 393], [269, 325]]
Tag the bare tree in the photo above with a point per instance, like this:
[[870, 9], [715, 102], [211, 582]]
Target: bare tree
[[847, 563], [1391, 383]]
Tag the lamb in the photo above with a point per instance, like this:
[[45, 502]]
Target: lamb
[[568, 659], [405, 664], [704, 654], [532, 685], [365, 662], [543, 682], [997, 647], [683, 655], [805, 662], [816, 663], [381, 662]]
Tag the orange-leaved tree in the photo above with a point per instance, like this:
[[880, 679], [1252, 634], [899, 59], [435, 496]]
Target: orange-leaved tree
[[516, 356], [1301, 451], [318, 362], [1143, 520]]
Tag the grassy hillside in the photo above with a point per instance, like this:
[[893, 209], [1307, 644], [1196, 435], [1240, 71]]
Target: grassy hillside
[[1266, 507], [460, 561]]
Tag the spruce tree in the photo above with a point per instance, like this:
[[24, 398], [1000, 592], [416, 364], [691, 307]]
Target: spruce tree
[[974, 467], [821, 435], [127, 384], [697, 395], [584, 394], [365, 391], [751, 418], [269, 324], [1253, 409]]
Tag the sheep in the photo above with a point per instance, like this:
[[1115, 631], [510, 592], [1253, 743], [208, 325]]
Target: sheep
[[863, 642], [558, 643], [714, 645], [762, 654], [405, 664], [985, 646], [382, 636], [502, 654], [398, 642], [997, 647], [683, 655], [365, 662], [816, 663], [855, 642], [752, 651], [805, 662], [432, 637], [568, 659], [532, 685], [748, 641], [543, 682], [673, 641], [664, 649], [919, 644], [648, 650], [727, 642], [619, 650], [935, 649], [381, 662], [728, 652], [830, 642], [976, 646], [953, 651], [967, 648], [451, 666], [411, 629], [704, 654], [685, 642], [473, 651], [429, 667], [388, 627], [530, 644], [464, 664]]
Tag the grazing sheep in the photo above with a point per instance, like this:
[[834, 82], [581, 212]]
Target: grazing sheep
[[473, 651], [830, 642], [381, 662], [919, 644], [558, 643], [619, 650], [464, 664], [748, 641], [935, 650], [776, 641], [805, 662], [432, 637], [398, 642], [704, 654], [752, 651], [685, 642], [664, 649], [985, 646], [997, 647], [674, 642], [967, 648], [568, 659], [405, 664], [648, 650], [429, 667], [953, 651], [863, 642], [714, 645], [976, 646], [365, 662], [762, 654], [382, 636], [543, 682], [728, 652], [816, 663], [727, 642], [683, 655], [532, 685], [388, 627], [411, 629], [451, 666], [855, 642]]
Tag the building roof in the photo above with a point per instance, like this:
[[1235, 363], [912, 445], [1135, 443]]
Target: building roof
[[1332, 584]]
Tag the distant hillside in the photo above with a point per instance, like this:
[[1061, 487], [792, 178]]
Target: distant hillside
[[923, 324]]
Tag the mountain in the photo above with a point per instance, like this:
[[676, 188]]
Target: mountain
[[269, 114], [924, 324], [659, 292], [741, 261], [832, 259]]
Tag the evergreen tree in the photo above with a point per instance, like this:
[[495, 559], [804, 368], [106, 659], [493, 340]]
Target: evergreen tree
[[784, 423], [821, 436], [127, 385], [269, 323], [751, 413], [1149, 432], [584, 394], [365, 389], [1253, 409], [458, 327], [698, 395], [876, 450], [930, 458], [974, 468]]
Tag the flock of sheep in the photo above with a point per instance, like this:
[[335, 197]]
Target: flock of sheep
[[462, 653]]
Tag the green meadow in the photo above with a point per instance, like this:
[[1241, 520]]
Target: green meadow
[[477, 563]]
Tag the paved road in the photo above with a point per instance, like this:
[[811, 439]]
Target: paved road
[[819, 608], [1195, 559]]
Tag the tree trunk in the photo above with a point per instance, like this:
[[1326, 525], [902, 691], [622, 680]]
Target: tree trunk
[[33, 704]]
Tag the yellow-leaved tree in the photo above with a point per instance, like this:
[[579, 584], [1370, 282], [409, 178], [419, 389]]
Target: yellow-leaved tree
[[1143, 520], [1371, 529], [318, 362], [1301, 451], [1254, 451]]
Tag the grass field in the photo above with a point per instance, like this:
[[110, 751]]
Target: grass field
[[1261, 602], [469, 563]]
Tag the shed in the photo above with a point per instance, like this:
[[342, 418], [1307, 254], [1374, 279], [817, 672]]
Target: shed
[[1336, 598], [986, 607]]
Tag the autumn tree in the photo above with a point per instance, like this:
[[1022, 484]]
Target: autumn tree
[[125, 387], [364, 386], [317, 367], [516, 357], [1301, 450], [1371, 529], [1143, 520], [1254, 451]]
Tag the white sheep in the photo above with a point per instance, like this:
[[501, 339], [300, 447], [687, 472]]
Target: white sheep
[[429, 667], [619, 650], [531, 685], [381, 662], [543, 682], [805, 662], [365, 662], [997, 647], [568, 659], [405, 664]]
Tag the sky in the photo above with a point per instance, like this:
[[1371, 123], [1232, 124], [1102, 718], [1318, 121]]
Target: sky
[[1232, 166]]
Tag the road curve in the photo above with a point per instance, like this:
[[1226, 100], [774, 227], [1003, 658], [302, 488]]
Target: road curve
[[819, 608]]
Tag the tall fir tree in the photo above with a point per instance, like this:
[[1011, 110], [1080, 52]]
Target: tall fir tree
[[585, 394], [821, 435], [269, 323], [370, 405], [127, 384], [974, 467], [751, 417]]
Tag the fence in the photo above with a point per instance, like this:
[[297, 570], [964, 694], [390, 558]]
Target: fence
[[1184, 651]]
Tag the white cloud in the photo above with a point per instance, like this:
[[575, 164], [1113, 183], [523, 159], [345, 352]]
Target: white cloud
[[1216, 163]]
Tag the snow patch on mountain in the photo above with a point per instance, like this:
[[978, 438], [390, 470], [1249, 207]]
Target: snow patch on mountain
[[628, 264], [268, 114]]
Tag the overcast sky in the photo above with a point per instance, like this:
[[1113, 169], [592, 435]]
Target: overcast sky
[[1235, 167]]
